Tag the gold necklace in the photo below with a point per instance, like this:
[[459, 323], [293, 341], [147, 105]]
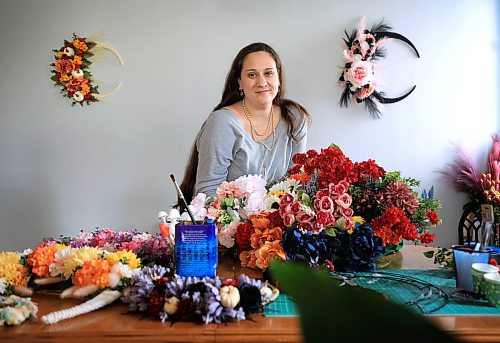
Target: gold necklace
[[252, 126], [272, 144]]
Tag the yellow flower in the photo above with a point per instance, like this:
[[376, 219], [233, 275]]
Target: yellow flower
[[278, 193], [77, 60], [79, 43], [124, 256], [11, 270], [78, 258], [356, 220], [85, 88], [64, 78]]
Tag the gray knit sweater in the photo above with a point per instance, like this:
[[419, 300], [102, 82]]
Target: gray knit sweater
[[226, 151]]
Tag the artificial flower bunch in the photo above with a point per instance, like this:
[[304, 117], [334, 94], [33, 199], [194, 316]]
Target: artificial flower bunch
[[71, 70], [149, 248], [235, 201], [335, 212], [89, 269], [208, 300], [13, 273], [482, 188]]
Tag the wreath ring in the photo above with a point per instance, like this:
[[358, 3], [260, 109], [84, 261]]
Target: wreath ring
[[361, 48], [71, 70]]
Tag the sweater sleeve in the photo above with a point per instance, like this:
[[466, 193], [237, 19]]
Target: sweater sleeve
[[301, 135], [215, 143]]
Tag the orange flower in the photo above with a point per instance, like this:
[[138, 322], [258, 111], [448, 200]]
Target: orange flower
[[74, 85], [64, 78], [302, 178], [85, 87], [77, 60], [94, 272], [80, 44], [268, 252], [248, 259], [259, 238], [260, 221], [42, 257], [64, 66]]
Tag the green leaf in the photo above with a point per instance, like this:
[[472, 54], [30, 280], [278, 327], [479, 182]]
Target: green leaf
[[333, 313], [330, 231], [429, 254]]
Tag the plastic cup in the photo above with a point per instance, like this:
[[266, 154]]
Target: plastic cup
[[492, 288], [478, 271], [464, 256]]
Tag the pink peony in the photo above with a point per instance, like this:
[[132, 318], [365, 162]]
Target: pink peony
[[359, 74]]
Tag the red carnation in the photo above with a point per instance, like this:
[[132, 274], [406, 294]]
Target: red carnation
[[242, 237], [427, 238], [299, 158], [432, 216]]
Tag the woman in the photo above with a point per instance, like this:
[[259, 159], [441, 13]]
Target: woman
[[253, 130]]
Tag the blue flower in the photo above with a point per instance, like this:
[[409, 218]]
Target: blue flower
[[357, 251]]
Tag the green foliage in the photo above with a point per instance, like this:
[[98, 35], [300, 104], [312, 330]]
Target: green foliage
[[330, 312], [443, 257]]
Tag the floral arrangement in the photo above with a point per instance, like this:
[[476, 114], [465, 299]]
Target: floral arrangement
[[361, 50], [98, 262], [208, 300], [327, 211], [107, 263], [71, 70], [465, 176]]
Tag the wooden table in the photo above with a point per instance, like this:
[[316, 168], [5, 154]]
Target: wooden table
[[114, 324]]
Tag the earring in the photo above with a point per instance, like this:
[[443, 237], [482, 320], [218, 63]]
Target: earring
[[241, 92]]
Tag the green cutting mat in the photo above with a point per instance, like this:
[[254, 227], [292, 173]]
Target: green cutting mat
[[284, 306]]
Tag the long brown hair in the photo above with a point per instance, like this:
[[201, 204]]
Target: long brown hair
[[231, 95]]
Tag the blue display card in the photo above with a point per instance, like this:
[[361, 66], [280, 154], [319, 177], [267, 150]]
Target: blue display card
[[196, 250]]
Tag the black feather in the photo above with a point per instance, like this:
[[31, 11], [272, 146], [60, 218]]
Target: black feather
[[350, 38], [372, 108], [380, 52], [380, 27], [345, 97]]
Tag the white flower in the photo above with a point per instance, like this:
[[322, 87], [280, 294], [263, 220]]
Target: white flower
[[69, 51], [56, 268], [77, 73], [269, 202], [26, 252], [78, 96], [288, 186]]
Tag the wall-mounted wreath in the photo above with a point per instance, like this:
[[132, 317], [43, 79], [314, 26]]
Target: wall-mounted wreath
[[71, 70], [362, 49]]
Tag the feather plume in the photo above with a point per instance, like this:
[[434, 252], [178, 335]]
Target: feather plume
[[361, 26], [380, 27], [462, 172]]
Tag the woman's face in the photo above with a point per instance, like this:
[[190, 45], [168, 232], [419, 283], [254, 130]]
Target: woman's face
[[259, 78]]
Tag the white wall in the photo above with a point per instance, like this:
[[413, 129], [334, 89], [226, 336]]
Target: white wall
[[63, 169]]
